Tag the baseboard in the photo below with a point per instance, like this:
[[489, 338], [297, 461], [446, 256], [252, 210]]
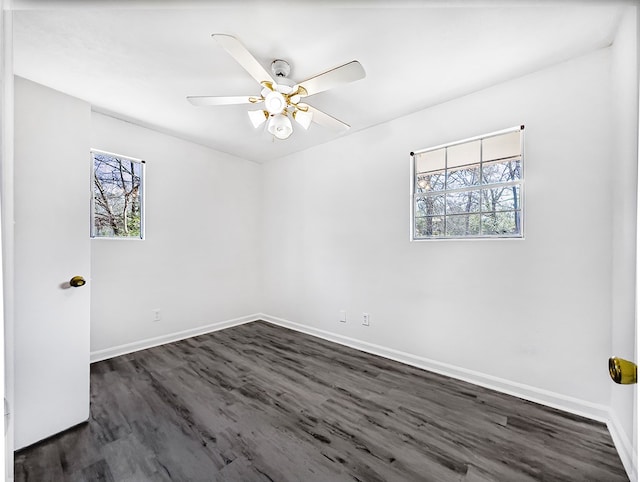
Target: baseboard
[[576, 406], [99, 355], [623, 446], [573, 405]]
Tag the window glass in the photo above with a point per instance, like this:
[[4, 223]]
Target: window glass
[[117, 202], [469, 188]]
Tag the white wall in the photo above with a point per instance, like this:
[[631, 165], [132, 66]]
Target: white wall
[[198, 263], [624, 157], [530, 316]]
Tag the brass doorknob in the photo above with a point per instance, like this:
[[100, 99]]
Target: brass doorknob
[[77, 281], [623, 371]]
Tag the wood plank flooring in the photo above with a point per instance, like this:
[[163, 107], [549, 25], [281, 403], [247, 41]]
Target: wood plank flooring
[[259, 402]]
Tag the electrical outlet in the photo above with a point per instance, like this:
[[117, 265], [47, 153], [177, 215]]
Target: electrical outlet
[[156, 314], [365, 319], [343, 316]]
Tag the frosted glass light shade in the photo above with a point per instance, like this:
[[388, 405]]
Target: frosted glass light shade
[[280, 126], [303, 118], [257, 117], [274, 103]]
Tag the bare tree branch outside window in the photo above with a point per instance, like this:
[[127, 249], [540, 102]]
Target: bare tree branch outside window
[[117, 197]]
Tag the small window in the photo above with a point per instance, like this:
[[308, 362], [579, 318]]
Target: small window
[[117, 205], [469, 189]]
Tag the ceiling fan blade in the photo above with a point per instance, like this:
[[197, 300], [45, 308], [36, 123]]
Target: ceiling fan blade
[[325, 120], [205, 100], [344, 74], [239, 52]]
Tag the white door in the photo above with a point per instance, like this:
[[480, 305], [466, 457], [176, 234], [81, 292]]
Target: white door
[[51, 189]]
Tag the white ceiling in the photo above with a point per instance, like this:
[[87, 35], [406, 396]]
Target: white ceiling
[[140, 63]]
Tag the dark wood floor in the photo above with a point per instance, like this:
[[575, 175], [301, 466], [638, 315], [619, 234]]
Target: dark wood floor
[[261, 403]]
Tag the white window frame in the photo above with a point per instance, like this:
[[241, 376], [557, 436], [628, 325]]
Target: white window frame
[[141, 189], [414, 195]]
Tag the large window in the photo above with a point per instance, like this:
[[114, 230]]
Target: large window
[[117, 207], [469, 189]]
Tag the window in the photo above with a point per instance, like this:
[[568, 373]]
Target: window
[[469, 189], [117, 205]]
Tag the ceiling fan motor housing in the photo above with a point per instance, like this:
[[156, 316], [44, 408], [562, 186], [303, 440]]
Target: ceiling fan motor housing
[[280, 68]]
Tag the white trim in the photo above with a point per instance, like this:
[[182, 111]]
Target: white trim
[[113, 154], [573, 405], [623, 446], [594, 411], [7, 220], [548, 398], [99, 355]]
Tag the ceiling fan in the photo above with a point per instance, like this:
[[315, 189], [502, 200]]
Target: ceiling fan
[[280, 96]]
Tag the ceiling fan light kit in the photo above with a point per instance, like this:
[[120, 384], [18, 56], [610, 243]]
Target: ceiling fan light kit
[[280, 95], [280, 126], [257, 117], [303, 118], [274, 103]]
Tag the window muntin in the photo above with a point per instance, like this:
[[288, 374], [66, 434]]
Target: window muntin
[[117, 201], [469, 189]]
